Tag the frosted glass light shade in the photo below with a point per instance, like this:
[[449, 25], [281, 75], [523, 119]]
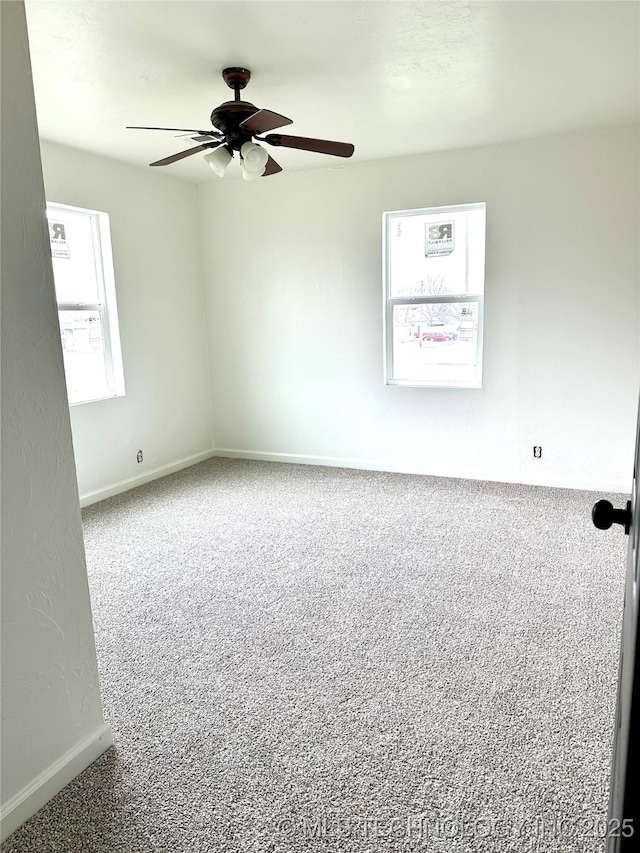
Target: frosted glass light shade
[[219, 159], [254, 157]]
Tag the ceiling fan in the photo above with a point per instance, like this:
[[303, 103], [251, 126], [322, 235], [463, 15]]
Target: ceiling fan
[[236, 124]]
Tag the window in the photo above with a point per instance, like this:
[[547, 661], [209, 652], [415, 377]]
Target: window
[[85, 291], [434, 286]]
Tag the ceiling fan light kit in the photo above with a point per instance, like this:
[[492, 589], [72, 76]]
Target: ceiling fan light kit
[[236, 123]]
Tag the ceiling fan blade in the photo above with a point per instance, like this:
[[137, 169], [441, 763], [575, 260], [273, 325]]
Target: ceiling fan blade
[[271, 168], [172, 159], [264, 120], [179, 129], [209, 134], [322, 146]]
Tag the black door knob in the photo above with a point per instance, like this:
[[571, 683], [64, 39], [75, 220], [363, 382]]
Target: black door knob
[[604, 515]]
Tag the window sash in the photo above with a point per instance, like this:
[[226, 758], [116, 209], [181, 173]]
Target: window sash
[[389, 376], [106, 337]]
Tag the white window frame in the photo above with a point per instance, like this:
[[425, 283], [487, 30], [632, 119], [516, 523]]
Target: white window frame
[[389, 302], [106, 306]]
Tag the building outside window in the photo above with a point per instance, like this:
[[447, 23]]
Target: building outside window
[[86, 296], [434, 295]]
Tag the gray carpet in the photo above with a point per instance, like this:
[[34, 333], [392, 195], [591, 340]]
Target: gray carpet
[[304, 658]]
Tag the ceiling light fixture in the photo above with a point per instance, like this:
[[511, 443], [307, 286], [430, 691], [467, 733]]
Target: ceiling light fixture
[[219, 159], [235, 123]]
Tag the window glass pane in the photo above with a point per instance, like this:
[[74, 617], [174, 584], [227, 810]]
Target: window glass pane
[[437, 341], [73, 253], [436, 253], [84, 357]]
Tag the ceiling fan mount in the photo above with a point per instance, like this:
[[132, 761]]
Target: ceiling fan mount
[[236, 78], [236, 123]]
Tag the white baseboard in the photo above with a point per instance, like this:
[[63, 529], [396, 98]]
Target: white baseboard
[[523, 478], [47, 784], [131, 483]]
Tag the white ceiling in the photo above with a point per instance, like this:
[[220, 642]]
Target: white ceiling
[[394, 78]]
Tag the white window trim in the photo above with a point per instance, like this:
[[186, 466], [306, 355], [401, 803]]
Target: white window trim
[[107, 306], [389, 302]]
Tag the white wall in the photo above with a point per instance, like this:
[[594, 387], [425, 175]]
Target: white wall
[[52, 725], [293, 276], [166, 411]]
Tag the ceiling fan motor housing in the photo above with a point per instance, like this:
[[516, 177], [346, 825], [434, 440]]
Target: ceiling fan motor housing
[[227, 117]]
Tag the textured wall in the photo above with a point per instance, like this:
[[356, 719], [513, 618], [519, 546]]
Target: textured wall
[[50, 694], [293, 277], [166, 411]]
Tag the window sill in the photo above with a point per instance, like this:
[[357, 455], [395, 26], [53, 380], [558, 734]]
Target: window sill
[[412, 383], [96, 399]]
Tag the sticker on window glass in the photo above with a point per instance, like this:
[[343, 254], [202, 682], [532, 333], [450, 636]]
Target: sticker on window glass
[[58, 238], [439, 239], [467, 323]]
